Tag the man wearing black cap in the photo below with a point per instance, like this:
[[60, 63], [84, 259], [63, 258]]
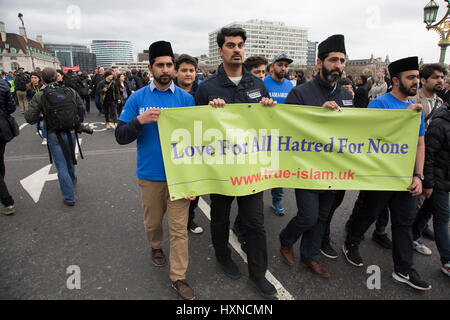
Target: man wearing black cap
[[139, 121], [314, 206], [233, 83], [405, 78], [279, 87]]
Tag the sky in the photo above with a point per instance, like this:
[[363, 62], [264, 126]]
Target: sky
[[378, 27]]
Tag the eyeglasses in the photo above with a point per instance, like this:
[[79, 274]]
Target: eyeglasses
[[232, 45]]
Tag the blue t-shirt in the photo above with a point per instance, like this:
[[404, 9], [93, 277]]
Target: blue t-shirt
[[388, 101], [150, 164], [278, 90]]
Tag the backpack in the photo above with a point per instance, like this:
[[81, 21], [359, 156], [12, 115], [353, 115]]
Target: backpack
[[60, 109], [20, 82], [61, 114]]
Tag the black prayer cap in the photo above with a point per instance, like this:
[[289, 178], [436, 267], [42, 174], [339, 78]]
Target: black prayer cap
[[334, 43], [160, 49], [405, 64]]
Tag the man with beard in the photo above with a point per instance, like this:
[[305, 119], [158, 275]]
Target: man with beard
[[314, 206], [432, 82], [279, 87], [233, 83], [139, 121], [405, 78]]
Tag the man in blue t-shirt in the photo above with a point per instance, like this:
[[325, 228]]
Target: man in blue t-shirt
[[279, 87], [139, 121], [402, 204]]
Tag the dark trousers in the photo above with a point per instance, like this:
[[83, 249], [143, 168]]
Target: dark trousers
[[383, 217], [251, 210], [192, 208], [437, 207], [402, 206], [87, 102], [313, 210], [110, 110], [5, 197], [340, 194]]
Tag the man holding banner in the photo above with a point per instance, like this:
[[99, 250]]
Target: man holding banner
[[405, 77], [314, 206], [138, 121], [233, 83]]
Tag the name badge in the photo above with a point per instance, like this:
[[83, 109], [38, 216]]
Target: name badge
[[347, 102], [255, 94]]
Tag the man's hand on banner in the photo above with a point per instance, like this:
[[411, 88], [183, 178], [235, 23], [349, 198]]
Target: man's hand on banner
[[149, 116], [417, 107], [190, 198], [268, 102], [217, 103], [331, 105]]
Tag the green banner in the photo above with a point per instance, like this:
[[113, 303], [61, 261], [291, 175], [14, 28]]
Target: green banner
[[247, 148]]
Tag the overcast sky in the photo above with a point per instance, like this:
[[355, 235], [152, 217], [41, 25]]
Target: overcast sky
[[381, 27]]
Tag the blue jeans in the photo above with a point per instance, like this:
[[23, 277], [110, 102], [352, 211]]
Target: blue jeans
[[313, 210], [40, 126], [438, 207], [277, 195], [97, 102], [66, 176]]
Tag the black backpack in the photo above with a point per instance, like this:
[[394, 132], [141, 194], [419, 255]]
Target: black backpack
[[20, 82], [61, 114], [60, 109]]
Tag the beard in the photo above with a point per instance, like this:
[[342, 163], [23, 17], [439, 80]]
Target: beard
[[411, 91], [279, 75], [163, 79], [327, 74]]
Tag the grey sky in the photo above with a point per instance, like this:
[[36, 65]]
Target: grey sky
[[380, 27]]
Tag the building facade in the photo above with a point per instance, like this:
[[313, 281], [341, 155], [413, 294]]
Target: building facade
[[143, 56], [312, 53], [109, 51], [17, 51], [267, 39], [128, 66], [70, 55]]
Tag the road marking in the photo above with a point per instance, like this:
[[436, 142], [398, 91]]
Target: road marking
[[283, 294], [34, 183], [23, 126], [85, 153]]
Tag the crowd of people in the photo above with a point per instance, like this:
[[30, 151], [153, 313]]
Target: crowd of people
[[131, 103]]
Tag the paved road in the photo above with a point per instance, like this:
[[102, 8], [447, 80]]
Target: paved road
[[103, 235]]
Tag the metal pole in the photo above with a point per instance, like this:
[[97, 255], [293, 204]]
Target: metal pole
[[443, 52]]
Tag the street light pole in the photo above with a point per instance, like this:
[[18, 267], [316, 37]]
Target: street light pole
[[442, 27], [31, 51]]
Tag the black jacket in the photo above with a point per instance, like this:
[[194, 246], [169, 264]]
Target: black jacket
[[250, 90], [361, 97], [437, 151], [75, 83], [317, 92], [7, 103]]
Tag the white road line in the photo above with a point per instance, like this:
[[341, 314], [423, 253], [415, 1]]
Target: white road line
[[23, 126], [283, 294]]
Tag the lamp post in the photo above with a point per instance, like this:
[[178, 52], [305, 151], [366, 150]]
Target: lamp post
[[442, 27], [20, 16]]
